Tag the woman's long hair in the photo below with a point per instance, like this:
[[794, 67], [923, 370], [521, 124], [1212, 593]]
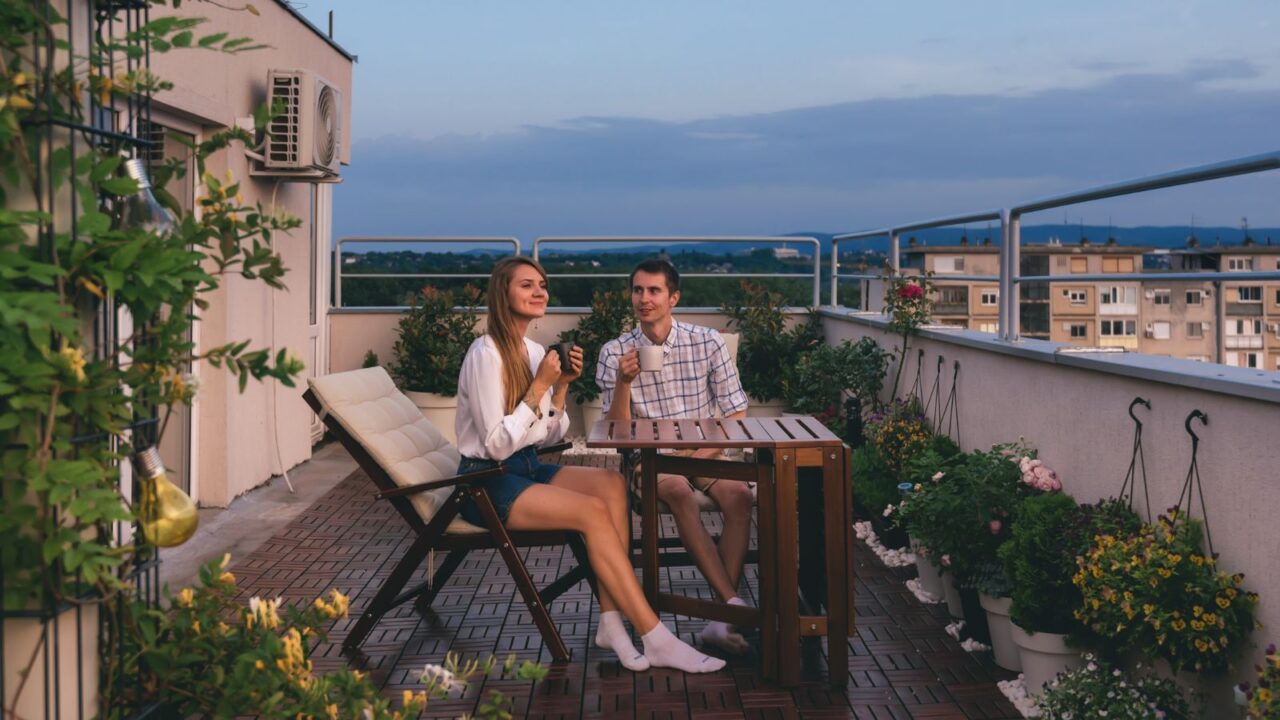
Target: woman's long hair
[[516, 375]]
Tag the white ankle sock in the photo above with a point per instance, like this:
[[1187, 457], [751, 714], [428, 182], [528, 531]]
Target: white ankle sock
[[613, 635], [666, 650], [725, 636]]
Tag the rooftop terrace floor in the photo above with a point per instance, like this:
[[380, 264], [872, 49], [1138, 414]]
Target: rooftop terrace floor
[[902, 664]]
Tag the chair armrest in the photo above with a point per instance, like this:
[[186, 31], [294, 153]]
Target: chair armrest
[[447, 482], [558, 447]]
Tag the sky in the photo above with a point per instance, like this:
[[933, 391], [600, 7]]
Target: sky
[[579, 117]]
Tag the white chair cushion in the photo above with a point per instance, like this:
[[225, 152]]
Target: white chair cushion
[[392, 429]]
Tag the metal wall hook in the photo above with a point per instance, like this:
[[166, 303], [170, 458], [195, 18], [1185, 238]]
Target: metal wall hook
[[1204, 420], [1138, 401]]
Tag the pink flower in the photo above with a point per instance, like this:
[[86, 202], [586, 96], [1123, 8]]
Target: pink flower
[[995, 526], [946, 561]]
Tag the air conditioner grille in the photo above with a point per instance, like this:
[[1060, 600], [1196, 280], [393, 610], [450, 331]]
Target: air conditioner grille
[[282, 147], [326, 139]]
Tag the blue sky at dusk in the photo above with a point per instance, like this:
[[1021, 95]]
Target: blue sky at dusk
[[715, 117]]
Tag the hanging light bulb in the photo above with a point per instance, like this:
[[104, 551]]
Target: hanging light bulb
[[168, 515], [141, 209]]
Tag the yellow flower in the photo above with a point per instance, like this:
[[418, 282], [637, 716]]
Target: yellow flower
[[1196, 611], [1223, 602], [1178, 625], [227, 578], [332, 711], [260, 665], [186, 596], [1148, 608], [195, 625], [73, 358], [1164, 573], [1263, 695]]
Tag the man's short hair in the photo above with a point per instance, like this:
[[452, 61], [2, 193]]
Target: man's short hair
[[656, 266]]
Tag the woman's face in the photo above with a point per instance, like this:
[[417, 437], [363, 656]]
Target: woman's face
[[528, 293]]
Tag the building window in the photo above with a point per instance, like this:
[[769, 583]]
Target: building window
[[1161, 297], [1116, 295], [1117, 265], [1119, 328], [1079, 331], [1278, 296], [1250, 294], [1195, 330], [1240, 263], [1244, 327], [1195, 297], [1077, 297], [1242, 359], [953, 295], [1079, 265], [990, 298], [1160, 330], [988, 327], [948, 264]]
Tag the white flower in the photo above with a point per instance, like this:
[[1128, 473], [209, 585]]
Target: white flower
[[938, 476], [888, 510], [436, 674]]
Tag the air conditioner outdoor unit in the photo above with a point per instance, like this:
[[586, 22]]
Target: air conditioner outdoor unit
[[304, 140], [1150, 294]]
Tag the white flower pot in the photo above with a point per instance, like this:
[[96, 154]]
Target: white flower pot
[[439, 410], [930, 580], [760, 408], [955, 607], [1043, 656], [1001, 628], [592, 411]]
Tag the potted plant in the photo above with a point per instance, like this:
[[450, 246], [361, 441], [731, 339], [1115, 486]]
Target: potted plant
[[908, 302], [766, 346], [1263, 701], [816, 384], [609, 318], [1040, 567], [1098, 690], [433, 338], [1156, 591]]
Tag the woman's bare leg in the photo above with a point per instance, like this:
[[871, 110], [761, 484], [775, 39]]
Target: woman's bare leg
[[610, 487]]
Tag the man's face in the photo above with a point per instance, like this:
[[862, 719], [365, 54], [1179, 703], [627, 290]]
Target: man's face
[[650, 298]]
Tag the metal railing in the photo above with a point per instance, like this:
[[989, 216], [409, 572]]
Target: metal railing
[[812, 242], [1011, 244], [338, 275]]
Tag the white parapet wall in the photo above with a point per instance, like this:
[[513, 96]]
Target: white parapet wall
[[1072, 407]]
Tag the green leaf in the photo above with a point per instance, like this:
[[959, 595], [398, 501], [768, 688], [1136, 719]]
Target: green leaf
[[182, 39], [93, 223], [211, 40], [120, 186]]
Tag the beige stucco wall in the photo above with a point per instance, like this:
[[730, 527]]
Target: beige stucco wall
[[242, 439], [1077, 419]]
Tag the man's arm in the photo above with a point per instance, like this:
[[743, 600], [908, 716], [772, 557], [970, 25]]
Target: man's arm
[[614, 375]]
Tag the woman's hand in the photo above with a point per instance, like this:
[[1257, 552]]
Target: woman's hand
[[549, 371], [573, 372]]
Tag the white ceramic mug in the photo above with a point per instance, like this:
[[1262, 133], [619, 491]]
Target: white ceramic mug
[[651, 358]]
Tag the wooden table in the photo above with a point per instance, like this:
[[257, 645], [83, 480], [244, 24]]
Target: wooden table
[[782, 445]]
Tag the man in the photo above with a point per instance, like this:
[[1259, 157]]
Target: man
[[697, 377]]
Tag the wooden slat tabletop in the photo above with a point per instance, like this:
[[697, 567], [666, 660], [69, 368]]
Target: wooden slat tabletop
[[714, 432]]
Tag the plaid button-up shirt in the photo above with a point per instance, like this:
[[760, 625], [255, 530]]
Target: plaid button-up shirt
[[697, 375]]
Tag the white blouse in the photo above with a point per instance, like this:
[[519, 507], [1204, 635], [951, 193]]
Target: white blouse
[[483, 428]]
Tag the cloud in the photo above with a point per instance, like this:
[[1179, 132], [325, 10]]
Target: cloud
[[839, 166]]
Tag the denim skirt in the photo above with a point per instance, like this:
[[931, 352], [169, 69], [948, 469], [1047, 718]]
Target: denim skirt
[[523, 469]]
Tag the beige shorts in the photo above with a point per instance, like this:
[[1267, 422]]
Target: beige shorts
[[702, 484]]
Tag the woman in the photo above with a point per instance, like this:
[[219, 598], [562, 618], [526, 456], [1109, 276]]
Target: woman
[[511, 398]]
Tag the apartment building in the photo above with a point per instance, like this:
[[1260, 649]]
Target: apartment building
[[1236, 323]]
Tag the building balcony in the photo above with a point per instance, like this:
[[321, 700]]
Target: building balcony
[[1237, 309]]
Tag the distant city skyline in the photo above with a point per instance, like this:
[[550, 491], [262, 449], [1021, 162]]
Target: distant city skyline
[[755, 118]]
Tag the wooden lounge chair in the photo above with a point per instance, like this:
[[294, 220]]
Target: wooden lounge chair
[[414, 468]]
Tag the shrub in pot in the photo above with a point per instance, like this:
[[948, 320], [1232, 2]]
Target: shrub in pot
[[432, 339], [899, 431], [819, 379], [609, 318], [765, 345]]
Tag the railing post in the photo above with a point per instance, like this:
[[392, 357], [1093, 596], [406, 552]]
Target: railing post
[[1002, 324], [893, 250], [337, 274], [1015, 269], [835, 272], [817, 272]]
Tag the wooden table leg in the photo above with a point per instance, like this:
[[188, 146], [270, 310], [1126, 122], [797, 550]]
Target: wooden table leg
[[837, 523], [788, 587], [649, 524], [766, 538]]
